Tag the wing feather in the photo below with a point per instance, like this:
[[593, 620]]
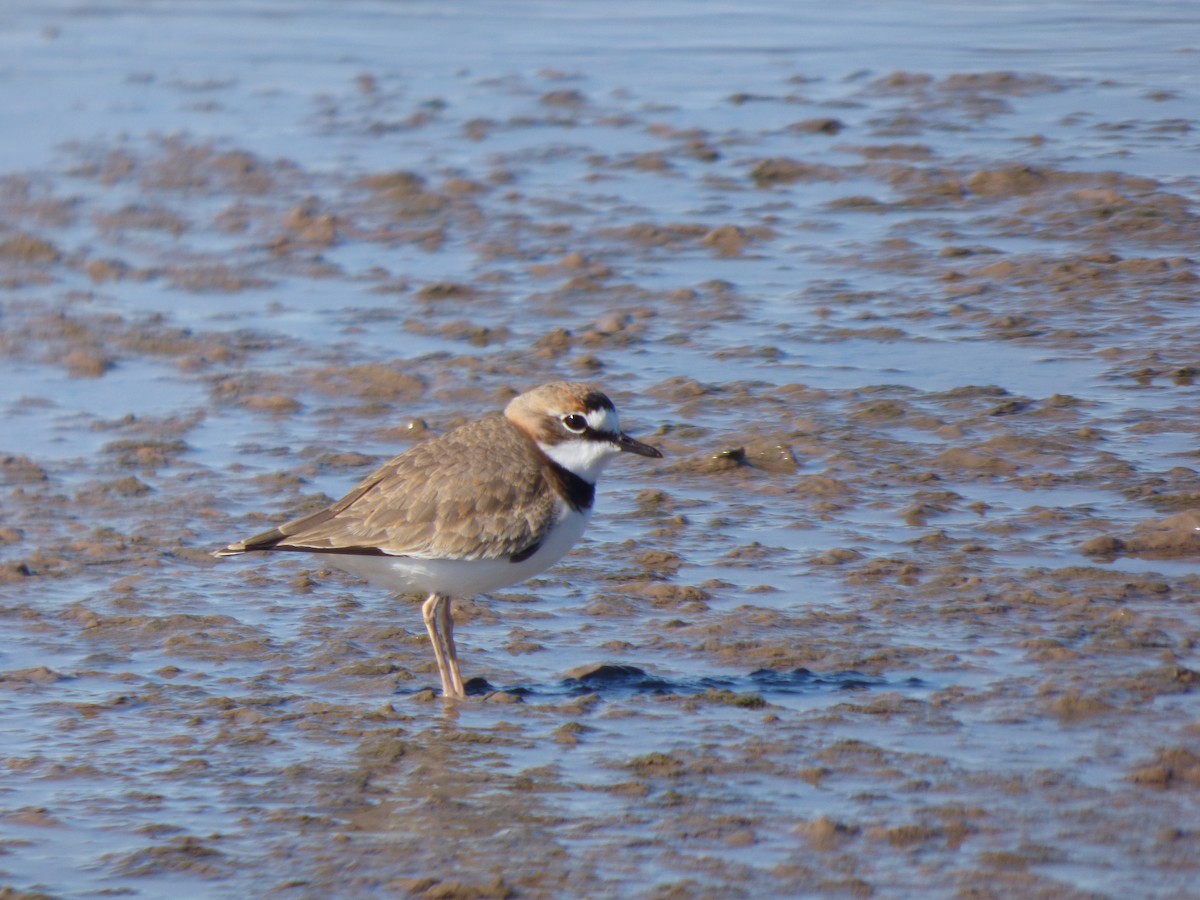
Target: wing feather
[[452, 496]]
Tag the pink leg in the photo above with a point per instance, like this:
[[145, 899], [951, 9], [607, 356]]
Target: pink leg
[[435, 611], [447, 621]]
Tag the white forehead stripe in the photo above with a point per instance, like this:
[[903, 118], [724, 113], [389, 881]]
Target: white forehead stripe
[[604, 420]]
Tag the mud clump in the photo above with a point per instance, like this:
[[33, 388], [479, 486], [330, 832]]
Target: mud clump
[[274, 404], [143, 217], [823, 125], [15, 571], [854, 585], [726, 240], [780, 170], [145, 453], [825, 834], [446, 290], [215, 278], [1173, 767], [27, 248], [1174, 537], [17, 470], [1008, 182], [407, 194], [88, 364]]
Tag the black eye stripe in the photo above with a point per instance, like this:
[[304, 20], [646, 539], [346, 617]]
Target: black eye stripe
[[577, 424]]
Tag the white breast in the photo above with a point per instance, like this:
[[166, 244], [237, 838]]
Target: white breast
[[461, 577]]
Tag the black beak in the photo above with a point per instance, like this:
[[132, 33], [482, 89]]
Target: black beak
[[629, 445]]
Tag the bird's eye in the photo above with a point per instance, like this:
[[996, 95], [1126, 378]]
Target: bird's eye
[[575, 422]]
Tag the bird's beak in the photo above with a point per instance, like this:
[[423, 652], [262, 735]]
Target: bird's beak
[[630, 445]]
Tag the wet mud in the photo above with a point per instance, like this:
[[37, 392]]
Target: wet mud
[[911, 607]]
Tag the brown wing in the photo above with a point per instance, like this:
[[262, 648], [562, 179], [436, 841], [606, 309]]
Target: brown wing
[[452, 496]]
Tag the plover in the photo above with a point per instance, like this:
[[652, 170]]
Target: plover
[[483, 507]]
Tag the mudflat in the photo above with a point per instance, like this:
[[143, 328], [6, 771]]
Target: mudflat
[[911, 606]]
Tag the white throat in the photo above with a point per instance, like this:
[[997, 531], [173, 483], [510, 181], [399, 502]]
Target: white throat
[[584, 458]]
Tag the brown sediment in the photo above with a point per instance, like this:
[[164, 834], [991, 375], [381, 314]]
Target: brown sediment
[[857, 628]]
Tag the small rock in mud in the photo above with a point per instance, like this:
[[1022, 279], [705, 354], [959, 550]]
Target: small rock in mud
[[603, 673]]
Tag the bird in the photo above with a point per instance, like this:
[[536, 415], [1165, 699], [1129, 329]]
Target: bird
[[485, 506]]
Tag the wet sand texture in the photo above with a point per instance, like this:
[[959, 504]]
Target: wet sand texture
[[910, 607]]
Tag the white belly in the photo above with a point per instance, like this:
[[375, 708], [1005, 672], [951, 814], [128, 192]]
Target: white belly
[[462, 577]]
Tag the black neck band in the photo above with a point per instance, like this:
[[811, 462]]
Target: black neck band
[[578, 493]]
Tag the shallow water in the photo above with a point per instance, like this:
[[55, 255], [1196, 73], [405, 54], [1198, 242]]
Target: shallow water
[[904, 291]]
